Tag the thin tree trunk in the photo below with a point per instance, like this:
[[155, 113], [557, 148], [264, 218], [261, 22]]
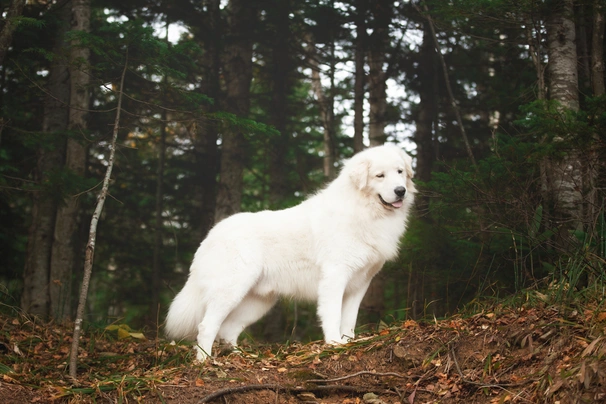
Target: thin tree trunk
[[238, 77], [566, 173], [424, 136], [65, 240], [326, 105], [281, 74], [36, 275], [159, 223], [92, 235], [10, 24], [205, 131], [360, 75]]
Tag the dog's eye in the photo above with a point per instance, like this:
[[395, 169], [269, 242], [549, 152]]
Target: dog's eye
[[380, 175], [400, 171]]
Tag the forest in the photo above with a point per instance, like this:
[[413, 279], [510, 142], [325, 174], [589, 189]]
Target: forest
[[243, 107], [202, 109]]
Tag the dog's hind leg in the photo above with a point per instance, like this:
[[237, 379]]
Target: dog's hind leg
[[217, 313], [251, 309]]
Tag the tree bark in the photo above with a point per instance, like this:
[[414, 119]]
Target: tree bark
[[377, 86], [238, 77], [326, 106], [282, 69], [566, 173], [205, 131], [36, 275], [426, 116], [10, 24], [360, 75], [65, 241]]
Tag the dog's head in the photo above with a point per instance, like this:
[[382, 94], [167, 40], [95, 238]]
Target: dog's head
[[385, 173]]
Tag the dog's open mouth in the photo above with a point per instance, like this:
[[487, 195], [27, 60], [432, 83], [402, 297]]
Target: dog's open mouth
[[395, 205]]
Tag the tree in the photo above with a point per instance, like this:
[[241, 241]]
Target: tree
[[382, 12], [238, 76], [565, 182], [65, 248], [50, 158], [360, 74]]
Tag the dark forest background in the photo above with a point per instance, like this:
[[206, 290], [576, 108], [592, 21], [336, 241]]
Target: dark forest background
[[250, 105]]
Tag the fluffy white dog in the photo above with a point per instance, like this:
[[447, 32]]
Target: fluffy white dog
[[326, 249]]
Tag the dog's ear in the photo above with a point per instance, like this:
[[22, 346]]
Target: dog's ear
[[358, 169], [408, 161]]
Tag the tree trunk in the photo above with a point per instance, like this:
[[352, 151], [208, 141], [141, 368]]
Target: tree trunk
[[326, 106], [205, 131], [238, 76], [152, 314], [360, 75], [10, 23], [566, 173], [426, 116], [377, 86], [36, 275], [282, 69], [65, 242]]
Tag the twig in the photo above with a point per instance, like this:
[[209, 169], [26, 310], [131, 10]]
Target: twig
[[278, 387], [364, 372]]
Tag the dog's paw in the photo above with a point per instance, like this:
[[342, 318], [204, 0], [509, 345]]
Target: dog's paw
[[201, 356], [337, 341]]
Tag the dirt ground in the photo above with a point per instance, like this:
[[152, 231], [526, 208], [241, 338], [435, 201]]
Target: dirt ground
[[526, 355]]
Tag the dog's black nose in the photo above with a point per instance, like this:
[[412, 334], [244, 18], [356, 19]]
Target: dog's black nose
[[400, 191]]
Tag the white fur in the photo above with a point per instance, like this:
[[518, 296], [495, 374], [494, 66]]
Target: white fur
[[326, 249]]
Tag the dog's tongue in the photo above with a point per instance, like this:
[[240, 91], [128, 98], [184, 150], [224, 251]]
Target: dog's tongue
[[397, 204]]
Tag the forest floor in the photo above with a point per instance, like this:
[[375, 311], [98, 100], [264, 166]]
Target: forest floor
[[539, 353]]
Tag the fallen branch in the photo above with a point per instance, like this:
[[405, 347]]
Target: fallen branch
[[287, 389], [362, 373]]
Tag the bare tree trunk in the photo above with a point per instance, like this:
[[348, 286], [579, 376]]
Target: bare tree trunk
[[10, 23], [282, 69], [326, 105], [427, 113], [205, 131], [566, 173], [92, 235], [65, 240], [360, 75], [36, 275], [238, 76], [377, 86], [159, 224]]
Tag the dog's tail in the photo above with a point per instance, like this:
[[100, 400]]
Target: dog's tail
[[185, 313]]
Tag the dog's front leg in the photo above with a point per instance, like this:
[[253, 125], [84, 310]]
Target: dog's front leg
[[351, 305], [330, 301]]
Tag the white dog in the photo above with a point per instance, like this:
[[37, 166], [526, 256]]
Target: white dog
[[326, 249]]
